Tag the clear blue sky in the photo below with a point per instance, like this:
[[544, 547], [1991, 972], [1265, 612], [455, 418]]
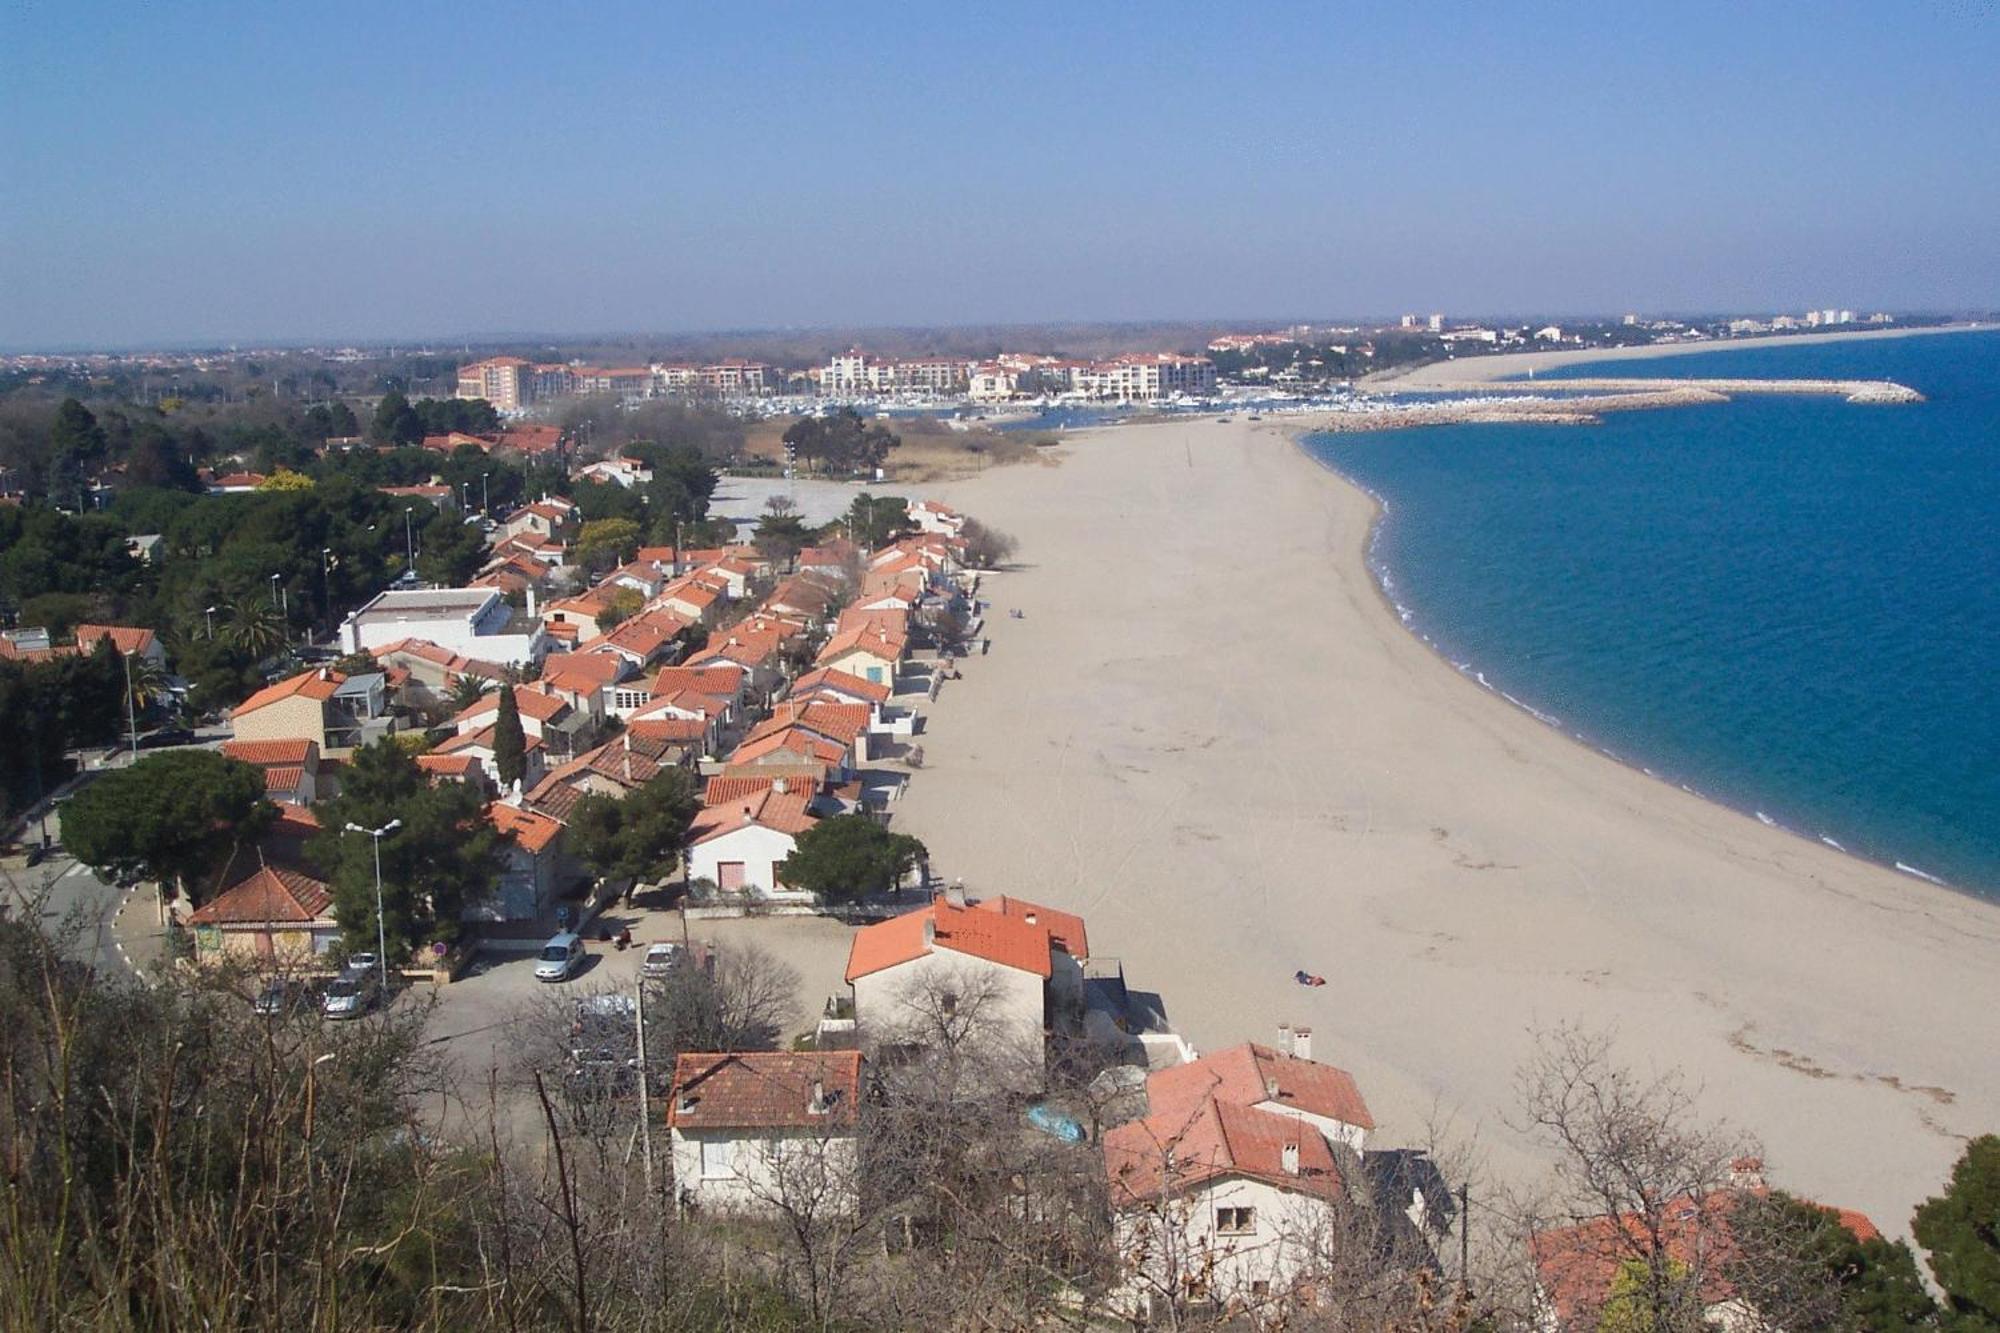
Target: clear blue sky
[[190, 172]]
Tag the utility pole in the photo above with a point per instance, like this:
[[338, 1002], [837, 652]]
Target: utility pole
[[645, 1104], [409, 546], [1464, 1237]]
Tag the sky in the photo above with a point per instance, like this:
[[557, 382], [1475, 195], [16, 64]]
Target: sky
[[195, 173]]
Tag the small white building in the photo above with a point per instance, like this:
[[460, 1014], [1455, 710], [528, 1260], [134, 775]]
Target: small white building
[[475, 622], [767, 1131], [739, 844]]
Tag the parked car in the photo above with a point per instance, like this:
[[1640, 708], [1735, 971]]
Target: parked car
[[165, 737], [358, 963], [280, 995], [560, 957], [661, 959], [351, 996]]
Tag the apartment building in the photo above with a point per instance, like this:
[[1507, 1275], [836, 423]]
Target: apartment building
[[507, 382], [1144, 378]]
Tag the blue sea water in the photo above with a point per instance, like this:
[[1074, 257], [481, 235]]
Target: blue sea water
[[1790, 605]]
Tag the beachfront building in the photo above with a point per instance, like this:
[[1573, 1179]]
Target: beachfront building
[[1225, 1189], [856, 373], [474, 622], [1144, 378], [1003, 969], [1577, 1267], [764, 1131]]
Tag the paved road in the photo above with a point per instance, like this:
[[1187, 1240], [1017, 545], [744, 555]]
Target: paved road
[[72, 898]]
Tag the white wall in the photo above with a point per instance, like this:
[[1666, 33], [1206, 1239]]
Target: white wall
[[1158, 1239], [765, 1167], [888, 1003], [759, 848]]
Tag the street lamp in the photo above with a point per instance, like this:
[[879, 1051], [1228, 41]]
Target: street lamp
[[485, 497], [209, 612], [381, 930], [326, 584]]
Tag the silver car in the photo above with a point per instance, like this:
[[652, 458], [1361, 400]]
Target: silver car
[[560, 957], [350, 996]]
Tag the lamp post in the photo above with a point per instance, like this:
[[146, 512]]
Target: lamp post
[[381, 930], [326, 585], [409, 546], [131, 706], [485, 496], [209, 612]]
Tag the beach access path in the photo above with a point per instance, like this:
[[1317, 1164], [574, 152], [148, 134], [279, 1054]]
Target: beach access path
[[1211, 736]]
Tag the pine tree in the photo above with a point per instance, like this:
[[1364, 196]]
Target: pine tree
[[1961, 1229], [510, 742]]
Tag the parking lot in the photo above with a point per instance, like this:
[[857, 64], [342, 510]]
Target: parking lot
[[481, 1024]]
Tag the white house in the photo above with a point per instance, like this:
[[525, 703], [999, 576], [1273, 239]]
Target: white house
[[761, 1131], [1224, 1189], [739, 844], [476, 622], [910, 970]]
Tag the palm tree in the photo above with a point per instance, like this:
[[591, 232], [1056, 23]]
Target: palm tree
[[255, 627], [469, 691], [149, 682]]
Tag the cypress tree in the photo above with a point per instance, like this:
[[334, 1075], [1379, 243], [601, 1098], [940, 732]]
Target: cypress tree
[[510, 742]]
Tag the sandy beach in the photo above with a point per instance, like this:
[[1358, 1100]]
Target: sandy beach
[[1479, 369], [1211, 735]]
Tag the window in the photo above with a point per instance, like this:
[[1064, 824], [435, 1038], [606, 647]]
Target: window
[[1235, 1221], [718, 1159]]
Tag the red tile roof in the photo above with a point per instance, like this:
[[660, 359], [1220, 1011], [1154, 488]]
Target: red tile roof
[[270, 896], [840, 682], [318, 683], [265, 753], [1065, 929], [1576, 1266], [723, 681], [1212, 1140], [125, 638], [530, 830], [769, 808], [988, 935], [764, 1090], [530, 701], [1244, 1074]]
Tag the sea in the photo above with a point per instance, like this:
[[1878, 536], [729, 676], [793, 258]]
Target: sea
[[1789, 605]]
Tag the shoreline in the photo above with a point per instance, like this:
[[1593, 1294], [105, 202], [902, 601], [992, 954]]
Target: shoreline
[[1228, 789], [1382, 576], [1507, 365]]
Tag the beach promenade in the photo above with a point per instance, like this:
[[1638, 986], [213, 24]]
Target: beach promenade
[[1209, 734]]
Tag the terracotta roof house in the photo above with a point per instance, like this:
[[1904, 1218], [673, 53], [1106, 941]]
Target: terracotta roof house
[[336, 712], [272, 917], [1240, 1155], [904, 968], [533, 868], [614, 769], [129, 640], [290, 767], [734, 1118], [1576, 1267], [740, 844]]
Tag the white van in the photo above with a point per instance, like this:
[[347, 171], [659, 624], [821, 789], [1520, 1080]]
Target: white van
[[560, 957]]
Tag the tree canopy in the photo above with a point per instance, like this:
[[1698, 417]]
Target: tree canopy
[[175, 817], [841, 444], [641, 837], [1961, 1229], [846, 857], [444, 856]]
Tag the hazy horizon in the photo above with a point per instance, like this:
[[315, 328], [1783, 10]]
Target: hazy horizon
[[237, 174]]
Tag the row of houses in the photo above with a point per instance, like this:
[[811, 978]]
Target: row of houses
[[777, 688]]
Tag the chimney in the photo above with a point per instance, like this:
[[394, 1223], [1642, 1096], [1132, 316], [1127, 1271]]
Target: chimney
[[326, 673], [1289, 1157], [817, 1106], [1284, 1038], [1747, 1173], [1302, 1043], [1270, 1089], [531, 600], [746, 814], [780, 787], [930, 930], [1029, 917]]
